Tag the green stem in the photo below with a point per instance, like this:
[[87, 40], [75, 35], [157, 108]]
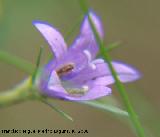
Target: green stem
[[55, 108], [133, 116], [121, 88], [20, 93]]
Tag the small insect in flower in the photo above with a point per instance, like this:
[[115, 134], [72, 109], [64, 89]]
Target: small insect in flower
[[65, 69]]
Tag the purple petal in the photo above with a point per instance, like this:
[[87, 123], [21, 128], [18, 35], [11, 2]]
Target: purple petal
[[103, 81], [95, 92], [125, 72], [86, 28], [78, 59], [53, 84], [53, 37], [55, 89], [86, 39]]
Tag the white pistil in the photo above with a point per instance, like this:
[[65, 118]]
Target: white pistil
[[88, 54], [93, 66]]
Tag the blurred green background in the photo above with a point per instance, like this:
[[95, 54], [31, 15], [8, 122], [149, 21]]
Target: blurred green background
[[135, 23]]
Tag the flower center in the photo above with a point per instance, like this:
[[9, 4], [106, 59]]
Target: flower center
[[65, 69], [77, 92]]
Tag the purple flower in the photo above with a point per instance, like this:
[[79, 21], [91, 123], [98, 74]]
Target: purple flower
[[74, 74]]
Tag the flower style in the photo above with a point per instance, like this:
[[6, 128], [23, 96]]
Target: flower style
[[75, 74]]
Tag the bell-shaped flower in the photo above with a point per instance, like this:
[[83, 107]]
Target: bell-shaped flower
[[75, 74]]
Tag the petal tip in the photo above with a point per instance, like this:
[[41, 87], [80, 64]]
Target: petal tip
[[35, 22], [93, 13], [40, 22], [137, 74]]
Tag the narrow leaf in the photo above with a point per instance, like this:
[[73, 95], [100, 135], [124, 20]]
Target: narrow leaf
[[113, 46], [106, 107]]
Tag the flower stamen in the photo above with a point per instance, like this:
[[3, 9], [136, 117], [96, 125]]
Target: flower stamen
[[77, 92]]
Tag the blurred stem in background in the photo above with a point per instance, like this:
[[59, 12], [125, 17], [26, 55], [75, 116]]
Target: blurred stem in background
[[4, 22], [16, 61], [133, 116]]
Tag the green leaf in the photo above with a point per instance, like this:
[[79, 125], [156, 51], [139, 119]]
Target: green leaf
[[106, 107], [112, 46]]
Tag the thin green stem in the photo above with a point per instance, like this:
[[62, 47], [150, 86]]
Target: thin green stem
[[133, 116], [54, 107], [37, 65]]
